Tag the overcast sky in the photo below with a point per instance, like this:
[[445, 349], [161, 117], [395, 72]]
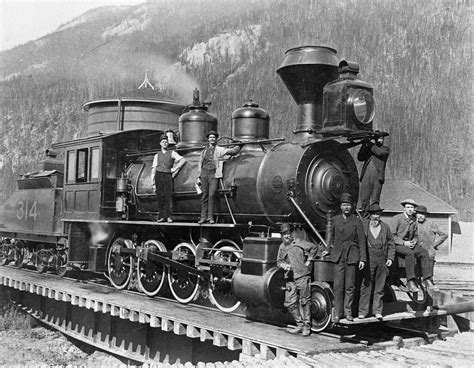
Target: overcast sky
[[25, 20]]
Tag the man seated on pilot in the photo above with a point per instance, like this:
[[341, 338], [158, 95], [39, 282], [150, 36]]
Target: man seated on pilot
[[405, 235], [294, 257]]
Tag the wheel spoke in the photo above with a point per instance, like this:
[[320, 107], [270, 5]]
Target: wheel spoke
[[220, 291], [151, 275], [18, 255], [120, 267], [61, 267], [6, 254], [184, 286]]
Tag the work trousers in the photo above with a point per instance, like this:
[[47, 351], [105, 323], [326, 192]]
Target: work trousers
[[163, 185], [431, 263], [370, 189], [411, 256], [373, 283], [344, 286], [299, 292], [209, 185]]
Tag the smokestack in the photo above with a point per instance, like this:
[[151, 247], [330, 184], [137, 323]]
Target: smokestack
[[305, 71]]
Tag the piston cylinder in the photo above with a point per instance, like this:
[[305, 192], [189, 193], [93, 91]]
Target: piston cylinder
[[256, 290]]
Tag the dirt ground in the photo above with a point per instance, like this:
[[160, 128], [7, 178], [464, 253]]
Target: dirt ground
[[41, 347]]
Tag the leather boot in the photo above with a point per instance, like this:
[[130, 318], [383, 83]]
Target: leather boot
[[412, 286], [295, 313], [306, 330], [306, 317], [429, 283]]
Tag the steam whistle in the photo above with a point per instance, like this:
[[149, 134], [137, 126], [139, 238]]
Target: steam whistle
[[121, 199], [171, 137]]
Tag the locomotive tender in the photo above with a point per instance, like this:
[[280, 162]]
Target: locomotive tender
[[95, 209]]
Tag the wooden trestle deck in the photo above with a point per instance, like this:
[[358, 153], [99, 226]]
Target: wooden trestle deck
[[146, 329]]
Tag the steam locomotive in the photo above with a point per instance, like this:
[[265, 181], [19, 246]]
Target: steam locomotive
[[92, 206]]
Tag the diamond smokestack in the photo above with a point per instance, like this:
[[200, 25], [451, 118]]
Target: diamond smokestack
[[305, 71]]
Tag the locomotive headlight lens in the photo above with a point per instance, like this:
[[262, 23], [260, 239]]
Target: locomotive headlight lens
[[363, 105]]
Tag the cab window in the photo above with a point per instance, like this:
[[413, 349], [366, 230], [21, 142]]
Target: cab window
[[71, 167], [94, 173], [83, 165], [81, 172]]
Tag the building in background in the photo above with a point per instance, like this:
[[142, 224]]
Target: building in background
[[439, 211]]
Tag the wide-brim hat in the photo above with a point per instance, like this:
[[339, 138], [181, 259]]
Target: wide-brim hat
[[408, 201], [212, 132], [285, 228], [421, 209], [374, 208], [346, 198]]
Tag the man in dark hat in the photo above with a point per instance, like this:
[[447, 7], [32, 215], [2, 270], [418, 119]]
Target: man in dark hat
[[211, 163], [294, 257], [163, 171], [374, 154], [405, 235], [430, 236], [349, 251], [381, 253]]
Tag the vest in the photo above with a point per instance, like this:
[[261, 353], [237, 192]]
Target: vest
[[165, 162]]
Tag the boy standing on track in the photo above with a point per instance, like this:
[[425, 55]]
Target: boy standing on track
[[294, 257]]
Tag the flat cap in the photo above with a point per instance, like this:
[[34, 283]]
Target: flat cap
[[421, 209], [285, 228], [375, 208], [346, 198]]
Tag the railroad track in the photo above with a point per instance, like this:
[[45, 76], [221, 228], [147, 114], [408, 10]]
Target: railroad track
[[455, 351], [84, 300], [464, 289]]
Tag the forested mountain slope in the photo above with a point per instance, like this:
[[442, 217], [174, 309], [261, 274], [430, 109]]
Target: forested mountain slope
[[417, 55]]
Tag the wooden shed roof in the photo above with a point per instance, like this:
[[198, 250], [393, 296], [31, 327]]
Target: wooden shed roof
[[395, 191]]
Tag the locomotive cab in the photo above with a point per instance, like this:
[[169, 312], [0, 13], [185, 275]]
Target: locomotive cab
[[94, 171]]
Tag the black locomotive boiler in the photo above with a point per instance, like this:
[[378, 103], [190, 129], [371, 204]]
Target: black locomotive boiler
[[95, 210]]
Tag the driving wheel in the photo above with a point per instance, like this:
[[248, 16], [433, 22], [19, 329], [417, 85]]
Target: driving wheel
[[184, 285], [151, 275], [227, 254], [120, 263]]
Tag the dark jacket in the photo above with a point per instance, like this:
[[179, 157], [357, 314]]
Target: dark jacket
[[296, 254], [386, 239], [349, 241], [430, 236], [404, 228], [370, 152]]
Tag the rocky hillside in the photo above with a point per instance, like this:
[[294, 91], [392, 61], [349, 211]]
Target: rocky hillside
[[416, 54]]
